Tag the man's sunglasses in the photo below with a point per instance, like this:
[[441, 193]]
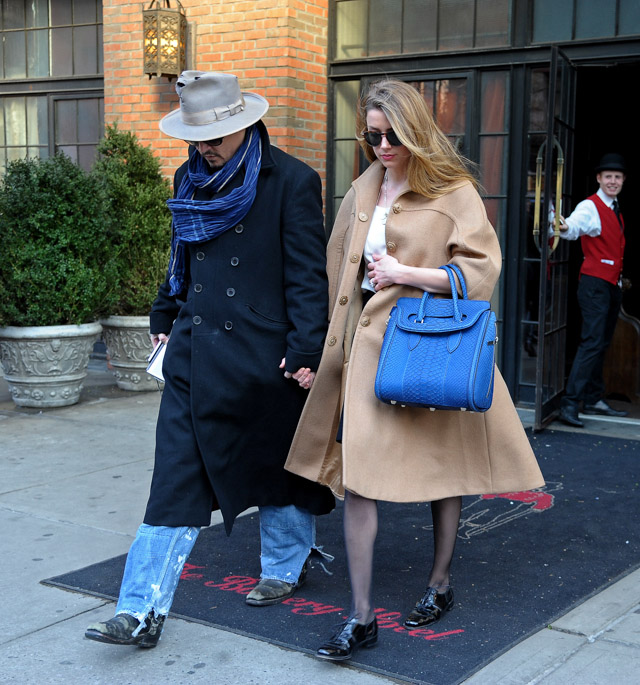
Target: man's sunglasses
[[211, 143], [374, 138]]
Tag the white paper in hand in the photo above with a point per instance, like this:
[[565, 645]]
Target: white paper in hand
[[155, 361]]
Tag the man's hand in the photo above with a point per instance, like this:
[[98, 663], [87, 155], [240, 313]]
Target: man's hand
[[158, 338], [305, 377]]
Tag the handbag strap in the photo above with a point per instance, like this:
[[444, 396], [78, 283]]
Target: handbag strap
[[450, 270], [463, 285]]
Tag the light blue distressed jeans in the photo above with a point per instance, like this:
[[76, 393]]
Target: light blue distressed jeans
[[158, 554]]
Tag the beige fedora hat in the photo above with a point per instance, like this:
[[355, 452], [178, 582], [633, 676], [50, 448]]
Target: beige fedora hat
[[211, 106]]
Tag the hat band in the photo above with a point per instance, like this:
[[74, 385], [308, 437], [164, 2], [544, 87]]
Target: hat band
[[210, 116]]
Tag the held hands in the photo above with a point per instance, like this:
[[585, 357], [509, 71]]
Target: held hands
[[305, 377]]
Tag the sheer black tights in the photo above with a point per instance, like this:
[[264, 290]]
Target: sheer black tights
[[360, 530]]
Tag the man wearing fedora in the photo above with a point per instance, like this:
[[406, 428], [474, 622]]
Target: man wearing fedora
[[243, 312], [598, 223]]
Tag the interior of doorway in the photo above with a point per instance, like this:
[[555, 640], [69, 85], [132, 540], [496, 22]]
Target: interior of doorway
[[606, 121]]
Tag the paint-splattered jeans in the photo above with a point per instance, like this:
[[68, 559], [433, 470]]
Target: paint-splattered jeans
[[158, 554]]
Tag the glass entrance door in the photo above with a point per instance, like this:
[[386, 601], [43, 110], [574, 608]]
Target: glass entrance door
[[552, 108]]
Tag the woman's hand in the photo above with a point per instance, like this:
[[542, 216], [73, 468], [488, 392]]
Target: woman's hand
[[385, 270], [158, 338], [305, 377]]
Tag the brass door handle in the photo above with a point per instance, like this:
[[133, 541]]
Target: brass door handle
[[538, 196]]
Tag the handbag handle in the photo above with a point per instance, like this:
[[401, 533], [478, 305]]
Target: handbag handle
[[450, 269]]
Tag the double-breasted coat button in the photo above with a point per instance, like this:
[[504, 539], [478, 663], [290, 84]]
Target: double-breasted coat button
[[343, 300], [391, 246], [332, 340], [397, 208], [365, 321], [228, 325], [363, 216], [199, 256], [239, 228], [197, 320], [235, 261], [354, 258], [198, 287], [231, 292]]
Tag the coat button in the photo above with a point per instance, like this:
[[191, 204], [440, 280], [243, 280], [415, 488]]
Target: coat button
[[391, 246], [228, 325], [343, 300], [230, 292], [200, 256], [235, 261], [363, 216], [198, 287], [365, 321], [355, 258], [332, 340], [397, 208], [239, 228], [197, 320]]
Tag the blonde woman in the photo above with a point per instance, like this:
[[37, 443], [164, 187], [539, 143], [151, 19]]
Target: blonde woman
[[415, 208]]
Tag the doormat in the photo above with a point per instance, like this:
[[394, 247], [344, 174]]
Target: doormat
[[522, 560]]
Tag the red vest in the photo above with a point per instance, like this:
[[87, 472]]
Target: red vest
[[603, 253]]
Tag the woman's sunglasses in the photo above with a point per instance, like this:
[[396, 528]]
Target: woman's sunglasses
[[374, 138], [211, 143]]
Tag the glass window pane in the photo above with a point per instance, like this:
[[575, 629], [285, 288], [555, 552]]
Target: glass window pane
[[13, 14], [14, 110], [492, 162], [493, 23], [384, 27], [84, 50], [538, 103], [37, 121], [37, 53], [420, 26], [494, 101], [351, 29], [595, 18], [84, 11], [37, 13], [16, 153], [61, 52], [346, 100], [629, 22], [451, 105], [89, 122], [346, 165], [2, 140], [15, 59], [70, 150], [61, 13], [86, 156], [66, 122], [552, 20], [100, 67], [456, 24]]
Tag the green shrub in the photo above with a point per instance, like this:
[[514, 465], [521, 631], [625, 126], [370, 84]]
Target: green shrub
[[138, 193], [56, 261]]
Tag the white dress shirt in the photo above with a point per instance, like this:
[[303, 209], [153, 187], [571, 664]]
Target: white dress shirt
[[376, 241], [584, 219]]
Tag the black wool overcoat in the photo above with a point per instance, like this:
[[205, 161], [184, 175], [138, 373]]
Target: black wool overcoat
[[255, 294]]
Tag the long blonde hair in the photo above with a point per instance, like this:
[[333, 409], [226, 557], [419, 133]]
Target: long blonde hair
[[435, 166]]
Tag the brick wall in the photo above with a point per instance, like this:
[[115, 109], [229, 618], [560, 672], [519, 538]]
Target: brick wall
[[277, 48]]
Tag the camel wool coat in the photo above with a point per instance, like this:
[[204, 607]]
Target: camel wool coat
[[389, 452]]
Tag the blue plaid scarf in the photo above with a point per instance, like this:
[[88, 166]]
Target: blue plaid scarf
[[196, 221]]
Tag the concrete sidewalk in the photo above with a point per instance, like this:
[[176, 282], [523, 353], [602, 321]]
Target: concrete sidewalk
[[73, 487]]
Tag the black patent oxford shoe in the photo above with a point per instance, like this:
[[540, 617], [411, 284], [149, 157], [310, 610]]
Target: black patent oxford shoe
[[602, 408], [430, 608], [570, 417], [349, 637]]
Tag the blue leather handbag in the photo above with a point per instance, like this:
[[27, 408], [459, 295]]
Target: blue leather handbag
[[439, 353]]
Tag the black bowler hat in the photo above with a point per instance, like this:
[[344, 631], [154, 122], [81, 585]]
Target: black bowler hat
[[611, 162]]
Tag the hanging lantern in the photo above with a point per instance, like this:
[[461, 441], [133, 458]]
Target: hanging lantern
[[165, 39]]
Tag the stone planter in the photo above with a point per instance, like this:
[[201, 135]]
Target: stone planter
[[128, 348], [45, 365]]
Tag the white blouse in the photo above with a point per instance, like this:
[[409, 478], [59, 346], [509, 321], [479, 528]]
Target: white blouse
[[376, 241]]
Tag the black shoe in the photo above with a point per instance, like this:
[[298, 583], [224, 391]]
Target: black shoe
[[430, 608], [349, 637], [119, 631], [601, 407], [570, 417]]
